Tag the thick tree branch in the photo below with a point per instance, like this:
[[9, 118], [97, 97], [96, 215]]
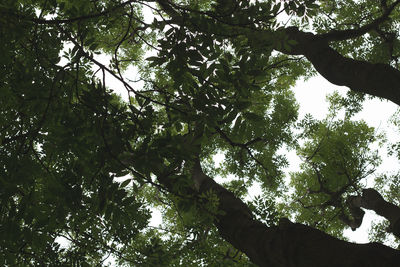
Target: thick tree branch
[[289, 244], [375, 79], [372, 200]]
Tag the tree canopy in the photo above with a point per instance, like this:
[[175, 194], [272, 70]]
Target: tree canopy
[[82, 168]]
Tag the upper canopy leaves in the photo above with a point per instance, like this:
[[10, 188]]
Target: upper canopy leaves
[[209, 84]]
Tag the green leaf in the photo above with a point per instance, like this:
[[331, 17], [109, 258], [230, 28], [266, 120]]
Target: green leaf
[[125, 183]]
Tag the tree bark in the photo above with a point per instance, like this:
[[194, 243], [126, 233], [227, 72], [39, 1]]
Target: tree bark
[[289, 244], [372, 200], [375, 79]]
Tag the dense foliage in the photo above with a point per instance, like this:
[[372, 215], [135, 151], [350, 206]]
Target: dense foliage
[[82, 167]]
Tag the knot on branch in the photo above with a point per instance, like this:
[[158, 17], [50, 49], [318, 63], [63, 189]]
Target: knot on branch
[[355, 219]]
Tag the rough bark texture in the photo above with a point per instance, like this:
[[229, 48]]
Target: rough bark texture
[[377, 79], [289, 244], [372, 200]]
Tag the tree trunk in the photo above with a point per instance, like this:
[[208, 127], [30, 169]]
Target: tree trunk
[[372, 200], [289, 244], [375, 79]]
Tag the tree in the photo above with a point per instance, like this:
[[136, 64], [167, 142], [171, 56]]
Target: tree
[[81, 165]]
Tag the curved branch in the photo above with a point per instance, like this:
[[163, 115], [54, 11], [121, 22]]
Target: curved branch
[[376, 79], [373, 200], [289, 244], [339, 35]]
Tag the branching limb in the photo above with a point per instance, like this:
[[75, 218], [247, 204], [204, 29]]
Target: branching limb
[[339, 35]]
